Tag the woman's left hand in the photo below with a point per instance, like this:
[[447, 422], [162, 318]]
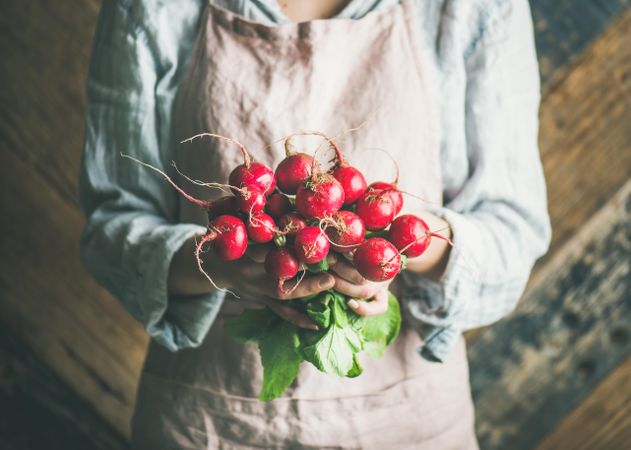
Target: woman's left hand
[[348, 281]]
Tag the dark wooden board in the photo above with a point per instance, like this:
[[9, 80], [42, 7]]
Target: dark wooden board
[[39, 411], [564, 28], [584, 132], [602, 421], [52, 306], [571, 330]]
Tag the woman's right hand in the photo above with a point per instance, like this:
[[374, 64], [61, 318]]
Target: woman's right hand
[[247, 278]]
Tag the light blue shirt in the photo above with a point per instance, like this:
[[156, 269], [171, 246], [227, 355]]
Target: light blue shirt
[[494, 190]]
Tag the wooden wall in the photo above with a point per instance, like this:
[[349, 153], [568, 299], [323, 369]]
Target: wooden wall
[[554, 375]]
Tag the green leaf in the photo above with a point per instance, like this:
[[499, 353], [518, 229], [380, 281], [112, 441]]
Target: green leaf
[[384, 326], [340, 317], [280, 359], [250, 325], [319, 311], [318, 267], [332, 350], [357, 369]]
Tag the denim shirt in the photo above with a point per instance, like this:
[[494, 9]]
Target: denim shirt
[[494, 189]]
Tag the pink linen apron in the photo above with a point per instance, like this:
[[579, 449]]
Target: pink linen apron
[[258, 83]]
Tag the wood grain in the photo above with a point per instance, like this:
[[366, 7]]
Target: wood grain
[[533, 368], [603, 420], [40, 411], [585, 138], [82, 333], [47, 300], [565, 28]]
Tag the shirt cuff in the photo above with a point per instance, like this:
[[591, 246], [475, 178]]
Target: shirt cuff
[[174, 321], [439, 309]]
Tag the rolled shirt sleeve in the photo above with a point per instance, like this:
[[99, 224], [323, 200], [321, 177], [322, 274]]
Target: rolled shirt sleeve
[[132, 230], [499, 219]]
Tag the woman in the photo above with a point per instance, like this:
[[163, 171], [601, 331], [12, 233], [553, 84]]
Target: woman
[[449, 87]]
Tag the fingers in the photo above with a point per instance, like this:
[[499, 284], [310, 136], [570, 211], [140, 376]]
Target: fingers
[[291, 315], [308, 286], [378, 305], [360, 291], [344, 269], [258, 252]]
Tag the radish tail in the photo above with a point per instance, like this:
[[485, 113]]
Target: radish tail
[[246, 155], [200, 264], [190, 198]]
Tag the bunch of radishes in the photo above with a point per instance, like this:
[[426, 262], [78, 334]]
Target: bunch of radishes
[[308, 212]]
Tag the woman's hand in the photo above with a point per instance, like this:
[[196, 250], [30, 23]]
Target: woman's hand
[[348, 281], [247, 278]]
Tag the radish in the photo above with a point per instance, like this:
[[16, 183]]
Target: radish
[[250, 199], [228, 237], [377, 260], [249, 173], [282, 265], [253, 174], [319, 196], [395, 194], [352, 180], [261, 228], [291, 223], [391, 188], [412, 236], [292, 171], [376, 209], [277, 204], [223, 205], [311, 245], [345, 230]]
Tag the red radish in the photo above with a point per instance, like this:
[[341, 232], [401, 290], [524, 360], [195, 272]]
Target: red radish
[[291, 223], [377, 260], [223, 205], [250, 199], [345, 230], [277, 205], [352, 181], [391, 188], [395, 194], [261, 228], [228, 238], [282, 265], [319, 196], [376, 209], [253, 174], [410, 234], [249, 173], [311, 245], [292, 171]]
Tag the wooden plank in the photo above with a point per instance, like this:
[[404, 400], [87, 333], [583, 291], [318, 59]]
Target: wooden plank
[[47, 300], [39, 410], [565, 28], [45, 50], [584, 137], [602, 420], [533, 368]]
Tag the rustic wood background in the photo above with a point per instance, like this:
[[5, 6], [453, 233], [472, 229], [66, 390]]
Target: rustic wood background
[[556, 374]]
